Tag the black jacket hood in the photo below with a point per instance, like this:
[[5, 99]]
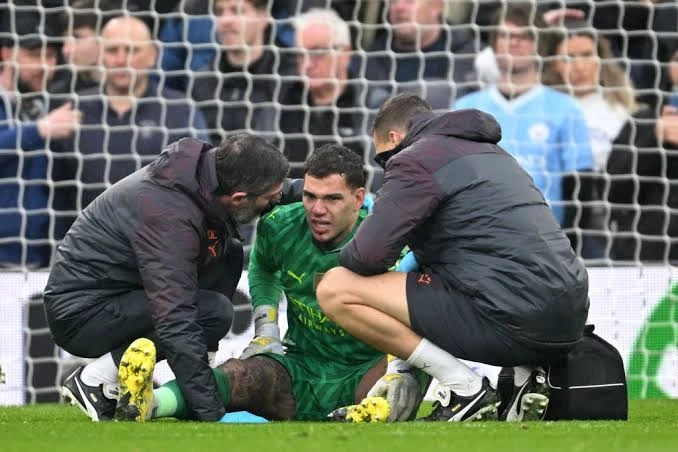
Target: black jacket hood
[[470, 124]]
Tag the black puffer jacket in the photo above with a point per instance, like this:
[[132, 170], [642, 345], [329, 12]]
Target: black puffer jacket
[[150, 231], [474, 217]]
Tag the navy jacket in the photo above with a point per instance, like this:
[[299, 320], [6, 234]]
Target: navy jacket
[[24, 194], [109, 146], [446, 67], [306, 126], [237, 99]]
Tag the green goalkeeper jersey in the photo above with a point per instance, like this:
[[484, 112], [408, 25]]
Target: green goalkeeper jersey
[[285, 258]]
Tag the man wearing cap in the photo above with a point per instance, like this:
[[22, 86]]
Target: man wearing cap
[[26, 132]]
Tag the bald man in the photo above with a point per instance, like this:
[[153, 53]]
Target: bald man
[[128, 55], [133, 120], [323, 41]]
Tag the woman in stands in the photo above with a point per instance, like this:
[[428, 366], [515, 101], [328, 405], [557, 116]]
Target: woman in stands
[[631, 223]]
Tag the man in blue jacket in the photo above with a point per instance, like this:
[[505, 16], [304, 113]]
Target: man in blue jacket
[[498, 282], [26, 130]]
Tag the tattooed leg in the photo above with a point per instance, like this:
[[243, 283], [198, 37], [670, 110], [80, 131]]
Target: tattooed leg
[[261, 386]]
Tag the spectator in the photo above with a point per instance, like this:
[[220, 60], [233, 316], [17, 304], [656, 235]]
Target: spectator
[[188, 42], [238, 89], [190, 39], [418, 46], [324, 105], [639, 32], [643, 192], [486, 61], [82, 49], [543, 129], [26, 131], [586, 68], [127, 126]]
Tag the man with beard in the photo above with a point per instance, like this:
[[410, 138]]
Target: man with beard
[[26, 129], [157, 255], [322, 367]]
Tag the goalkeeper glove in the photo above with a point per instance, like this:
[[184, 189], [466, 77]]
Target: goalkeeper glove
[[400, 387], [266, 333], [368, 203], [408, 263], [370, 409]]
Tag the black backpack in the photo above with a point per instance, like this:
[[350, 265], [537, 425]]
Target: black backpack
[[589, 383]]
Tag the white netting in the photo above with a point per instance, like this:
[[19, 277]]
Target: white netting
[[620, 211]]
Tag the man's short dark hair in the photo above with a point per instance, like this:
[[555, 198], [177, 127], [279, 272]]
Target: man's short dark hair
[[522, 14], [82, 14], [259, 4], [249, 164], [397, 114], [330, 159], [92, 14]]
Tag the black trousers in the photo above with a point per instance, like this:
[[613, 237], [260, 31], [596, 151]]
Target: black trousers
[[114, 323]]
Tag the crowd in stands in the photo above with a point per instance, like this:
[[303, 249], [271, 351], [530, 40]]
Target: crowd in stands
[[586, 93]]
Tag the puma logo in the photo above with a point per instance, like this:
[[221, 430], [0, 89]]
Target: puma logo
[[213, 248], [295, 277]]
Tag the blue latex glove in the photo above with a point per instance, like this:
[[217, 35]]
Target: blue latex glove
[[368, 203], [408, 263], [242, 417]]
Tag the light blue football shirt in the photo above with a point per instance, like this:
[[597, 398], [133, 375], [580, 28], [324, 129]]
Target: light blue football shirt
[[544, 130]]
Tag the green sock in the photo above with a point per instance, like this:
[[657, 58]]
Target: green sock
[[170, 402], [223, 385]]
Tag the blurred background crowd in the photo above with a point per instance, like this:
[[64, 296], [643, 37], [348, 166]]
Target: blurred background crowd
[[586, 93]]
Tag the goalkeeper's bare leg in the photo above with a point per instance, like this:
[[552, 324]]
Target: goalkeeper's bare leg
[[259, 385]]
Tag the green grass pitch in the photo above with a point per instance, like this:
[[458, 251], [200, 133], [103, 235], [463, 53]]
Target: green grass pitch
[[652, 426]]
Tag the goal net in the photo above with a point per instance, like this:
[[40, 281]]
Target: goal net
[[586, 93]]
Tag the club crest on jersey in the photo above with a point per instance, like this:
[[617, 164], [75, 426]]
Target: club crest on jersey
[[539, 132]]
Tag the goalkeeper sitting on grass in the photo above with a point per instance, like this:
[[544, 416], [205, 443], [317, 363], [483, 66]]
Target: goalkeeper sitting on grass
[[323, 367]]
